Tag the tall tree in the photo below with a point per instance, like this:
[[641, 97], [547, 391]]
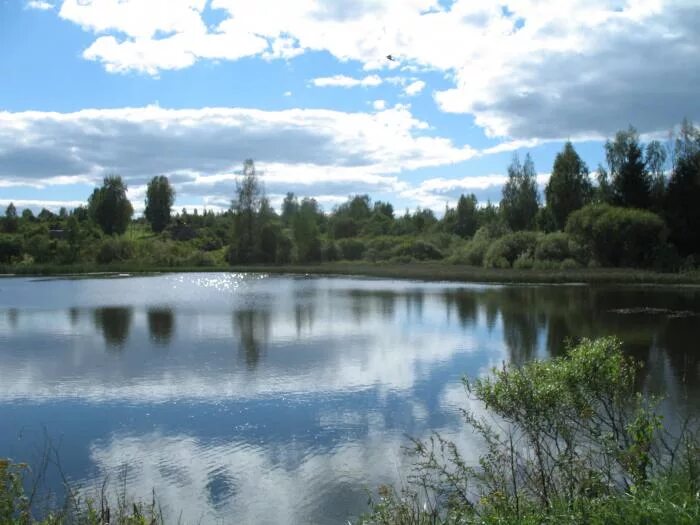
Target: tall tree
[[569, 187], [160, 197], [11, 223], [290, 206], [466, 216], [520, 199], [630, 179], [682, 211], [306, 232], [655, 159], [109, 206], [249, 194]]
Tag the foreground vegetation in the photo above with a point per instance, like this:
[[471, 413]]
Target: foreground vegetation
[[563, 441], [634, 215]]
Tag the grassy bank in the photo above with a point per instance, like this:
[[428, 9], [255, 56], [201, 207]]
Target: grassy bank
[[429, 271]]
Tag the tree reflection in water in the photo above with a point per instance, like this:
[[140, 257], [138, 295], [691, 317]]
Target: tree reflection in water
[[114, 322], [161, 325]]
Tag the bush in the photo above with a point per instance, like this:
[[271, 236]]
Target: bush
[[352, 249], [114, 250], [419, 250], [618, 236], [381, 248], [473, 253], [553, 247], [491, 231], [567, 440], [200, 258], [524, 262], [503, 252], [569, 264]]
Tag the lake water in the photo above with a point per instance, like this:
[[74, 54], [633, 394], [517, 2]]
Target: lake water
[[277, 399]]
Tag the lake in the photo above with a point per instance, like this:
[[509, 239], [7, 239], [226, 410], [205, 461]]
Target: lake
[[245, 398]]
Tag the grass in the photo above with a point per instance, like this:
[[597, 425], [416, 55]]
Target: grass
[[429, 271]]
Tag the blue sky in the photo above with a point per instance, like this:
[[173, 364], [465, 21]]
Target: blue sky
[[191, 88]]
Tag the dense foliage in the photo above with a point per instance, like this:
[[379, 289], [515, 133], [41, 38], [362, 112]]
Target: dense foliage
[[640, 212]]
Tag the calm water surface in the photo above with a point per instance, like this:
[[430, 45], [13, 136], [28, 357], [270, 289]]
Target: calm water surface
[[260, 399]]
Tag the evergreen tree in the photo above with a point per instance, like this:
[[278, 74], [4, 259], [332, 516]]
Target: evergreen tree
[[630, 180], [569, 187], [682, 212]]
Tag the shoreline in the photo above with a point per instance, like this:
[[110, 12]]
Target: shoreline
[[412, 271]]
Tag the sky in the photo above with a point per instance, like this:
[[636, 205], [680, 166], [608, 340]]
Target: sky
[[192, 88]]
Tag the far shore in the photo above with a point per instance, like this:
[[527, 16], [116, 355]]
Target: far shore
[[416, 271]]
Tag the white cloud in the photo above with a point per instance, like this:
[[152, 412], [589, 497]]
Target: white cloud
[[414, 88], [534, 70], [379, 105], [39, 5], [37, 204], [434, 193], [313, 152], [347, 82], [287, 93]]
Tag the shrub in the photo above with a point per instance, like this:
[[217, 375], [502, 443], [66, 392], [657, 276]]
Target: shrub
[[473, 253], [114, 250], [553, 247], [200, 258], [569, 264], [565, 440], [419, 250], [491, 231], [509, 247], [352, 249], [524, 262], [618, 236]]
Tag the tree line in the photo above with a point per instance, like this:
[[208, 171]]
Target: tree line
[[640, 209]]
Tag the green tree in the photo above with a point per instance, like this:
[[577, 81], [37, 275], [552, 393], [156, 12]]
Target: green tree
[[466, 216], [520, 199], [27, 215], [630, 179], [682, 211], [290, 207], [569, 187], [246, 206], [160, 197], [655, 157], [11, 223], [306, 232], [109, 207]]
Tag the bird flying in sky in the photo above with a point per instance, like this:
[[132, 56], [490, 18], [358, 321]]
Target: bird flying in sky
[[390, 57]]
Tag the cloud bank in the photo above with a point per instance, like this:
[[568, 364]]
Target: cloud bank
[[526, 69]]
